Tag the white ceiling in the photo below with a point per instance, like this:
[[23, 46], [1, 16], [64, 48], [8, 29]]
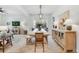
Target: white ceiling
[[13, 9], [35, 9], [28, 9], [9, 9]]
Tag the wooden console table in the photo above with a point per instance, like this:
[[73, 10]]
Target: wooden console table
[[65, 39]]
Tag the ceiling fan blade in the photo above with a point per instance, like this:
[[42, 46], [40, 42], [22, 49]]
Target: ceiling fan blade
[[1, 10]]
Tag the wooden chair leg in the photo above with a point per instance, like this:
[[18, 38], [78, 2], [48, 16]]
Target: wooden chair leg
[[27, 41], [3, 45], [46, 39], [43, 46], [0, 43], [35, 47], [30, 40], [11, 41]]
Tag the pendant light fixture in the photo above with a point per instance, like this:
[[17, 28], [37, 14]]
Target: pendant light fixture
[[40, 15]]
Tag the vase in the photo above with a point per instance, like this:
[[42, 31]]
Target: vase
[[69, 27]]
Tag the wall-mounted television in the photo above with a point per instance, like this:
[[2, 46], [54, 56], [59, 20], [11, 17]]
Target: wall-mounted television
[[15, 23]]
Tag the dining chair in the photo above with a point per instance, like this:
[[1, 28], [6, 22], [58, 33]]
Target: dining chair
[[5, 41], [9, 39], [28, 39], [39, 38]]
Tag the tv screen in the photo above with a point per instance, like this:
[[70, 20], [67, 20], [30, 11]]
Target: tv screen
[[15, 23]]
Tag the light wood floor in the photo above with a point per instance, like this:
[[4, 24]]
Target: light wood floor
[[20, 46]]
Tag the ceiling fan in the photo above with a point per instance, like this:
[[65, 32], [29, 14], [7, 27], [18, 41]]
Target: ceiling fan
[[2, 10]]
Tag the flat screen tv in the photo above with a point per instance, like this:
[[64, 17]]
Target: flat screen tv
[[15, 23]]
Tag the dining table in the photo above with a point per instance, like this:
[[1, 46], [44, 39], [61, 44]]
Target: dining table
[[46, 34], [33, 33]]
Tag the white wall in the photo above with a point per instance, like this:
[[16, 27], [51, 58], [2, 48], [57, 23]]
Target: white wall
[[2, 19], [14, 12], [74, 11], [22, 19]]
